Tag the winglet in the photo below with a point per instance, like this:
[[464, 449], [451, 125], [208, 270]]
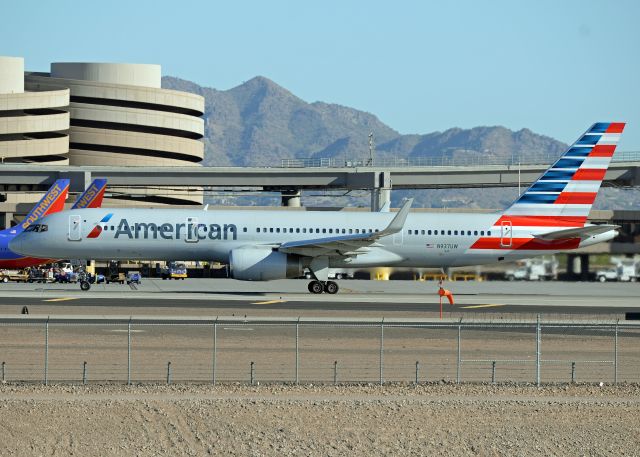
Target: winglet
[[92, 197], [398, 221]]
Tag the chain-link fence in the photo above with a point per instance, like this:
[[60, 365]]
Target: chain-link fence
[[86, 349]]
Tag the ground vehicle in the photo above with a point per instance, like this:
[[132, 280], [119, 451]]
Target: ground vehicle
[[134, 277], [174, 270], [542, 269], [624, 269], [37, 275], [12, 275], [114, 274]]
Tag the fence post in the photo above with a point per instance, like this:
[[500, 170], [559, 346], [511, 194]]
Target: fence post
[[129, 352], [46, 352], [215, 350], [538, 351], [615, 354], [381, 350], [297, 349], [573, 372], [168, 373], [417, 370], [84, 373], [458, 364], [335, 372], [4, 379], [493, 372], [252, 373]]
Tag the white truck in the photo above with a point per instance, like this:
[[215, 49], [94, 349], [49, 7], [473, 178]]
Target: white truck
[[624, 269], [540, 269]]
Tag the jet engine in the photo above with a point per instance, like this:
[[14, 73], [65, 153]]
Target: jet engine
[[263, 264]]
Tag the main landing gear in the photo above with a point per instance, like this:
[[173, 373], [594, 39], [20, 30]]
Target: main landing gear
[[317, 287]]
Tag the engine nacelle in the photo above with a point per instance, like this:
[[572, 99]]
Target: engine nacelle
[[263, 264]]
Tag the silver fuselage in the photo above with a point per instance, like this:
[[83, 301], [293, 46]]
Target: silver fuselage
[[427, 239]]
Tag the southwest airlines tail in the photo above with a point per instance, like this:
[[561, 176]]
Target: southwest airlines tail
[[53, 201], [564, 194], [92, 197]]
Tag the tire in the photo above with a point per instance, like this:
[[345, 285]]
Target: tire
[[331, 287], [84, 285], [511, 278], [5, 279], [602, 278], [316, 287]]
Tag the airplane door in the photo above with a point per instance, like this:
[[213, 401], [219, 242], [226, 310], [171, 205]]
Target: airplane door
[[506, 234], [74, 228], [192, 230]]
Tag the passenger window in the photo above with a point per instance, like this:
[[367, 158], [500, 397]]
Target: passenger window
[[455, 232], [278, 230], [428, 232], [330, 230], [475, 232], [244, 229], [344, 231], [357, 230], [112, 228], [422, 232], [468, 232], [270, 229], [350, 231], [297, 230], [489, 233], [317, 230], [409, 232], [448, 232], [324, 230], [257, 229], [481, 232], [304, 230]]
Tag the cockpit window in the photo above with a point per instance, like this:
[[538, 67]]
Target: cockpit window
[[37, 228]]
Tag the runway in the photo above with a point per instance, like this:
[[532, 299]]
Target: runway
[[223, 297]]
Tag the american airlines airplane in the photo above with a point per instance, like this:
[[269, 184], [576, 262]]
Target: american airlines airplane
[[51, 202], [550, 216]]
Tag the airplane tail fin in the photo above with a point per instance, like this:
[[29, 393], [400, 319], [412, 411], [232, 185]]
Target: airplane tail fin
[[51, 202], [564, 194], [92, 196]]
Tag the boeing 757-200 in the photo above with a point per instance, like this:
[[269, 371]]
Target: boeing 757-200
[[550, 216]]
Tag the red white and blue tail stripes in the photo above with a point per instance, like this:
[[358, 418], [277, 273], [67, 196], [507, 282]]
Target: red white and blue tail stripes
[[563, 195]]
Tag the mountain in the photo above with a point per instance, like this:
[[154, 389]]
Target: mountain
[[260, 123]]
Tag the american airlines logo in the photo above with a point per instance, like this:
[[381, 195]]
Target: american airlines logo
[[97, 230], [168, 231]]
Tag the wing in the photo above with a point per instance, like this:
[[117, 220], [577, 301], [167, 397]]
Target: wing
[[580, 232], [346, 245]]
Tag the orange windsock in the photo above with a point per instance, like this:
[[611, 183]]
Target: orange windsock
[[446, 293]]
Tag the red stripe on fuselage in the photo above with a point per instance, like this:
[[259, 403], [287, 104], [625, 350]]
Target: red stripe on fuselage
[[526, 244], [603, 150], [589, 174], [543, 221], [615, 127], [576, 198], [24, 262]]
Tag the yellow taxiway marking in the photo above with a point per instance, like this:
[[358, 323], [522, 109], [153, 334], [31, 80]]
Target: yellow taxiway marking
[[268, 302], [482, 306], [62, 299]]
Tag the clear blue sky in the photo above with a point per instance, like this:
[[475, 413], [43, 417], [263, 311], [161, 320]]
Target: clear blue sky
[[552, 66]]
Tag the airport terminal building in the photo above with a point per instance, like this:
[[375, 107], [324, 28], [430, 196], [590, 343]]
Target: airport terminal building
[[96, 114]]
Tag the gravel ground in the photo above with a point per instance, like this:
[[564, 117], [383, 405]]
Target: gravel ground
[[434, 419]]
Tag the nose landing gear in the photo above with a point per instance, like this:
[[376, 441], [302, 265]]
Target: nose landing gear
[[317, 287]]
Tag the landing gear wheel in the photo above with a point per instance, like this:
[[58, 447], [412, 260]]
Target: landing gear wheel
[[84, 285], [331, 287], [315, 287]]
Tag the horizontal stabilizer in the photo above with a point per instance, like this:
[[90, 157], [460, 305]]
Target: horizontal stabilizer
[[579, 232]]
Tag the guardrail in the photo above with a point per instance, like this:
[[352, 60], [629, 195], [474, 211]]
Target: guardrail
[[479, 160], [132, 350]]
